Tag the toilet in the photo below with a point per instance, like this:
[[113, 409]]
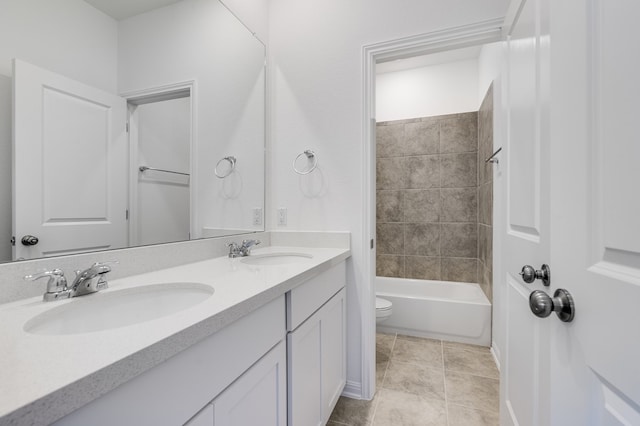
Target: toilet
[[383, 309]]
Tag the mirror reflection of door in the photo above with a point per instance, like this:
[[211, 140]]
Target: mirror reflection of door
[[160, 136], [70, 162]]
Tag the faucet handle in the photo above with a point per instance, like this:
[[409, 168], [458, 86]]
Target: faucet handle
[[103, 267], [57, 281]]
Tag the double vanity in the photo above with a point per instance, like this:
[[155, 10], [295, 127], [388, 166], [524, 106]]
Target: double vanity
[[257, 339]]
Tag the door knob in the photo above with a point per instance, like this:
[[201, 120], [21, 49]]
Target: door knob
[[542, 304], [529, 274], [29, 240]]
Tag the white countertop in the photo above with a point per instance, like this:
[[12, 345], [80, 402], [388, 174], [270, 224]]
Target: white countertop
[[45, 377]]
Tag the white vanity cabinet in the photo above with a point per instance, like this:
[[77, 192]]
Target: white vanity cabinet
[[236, 374], [258, 397], [316, 347]]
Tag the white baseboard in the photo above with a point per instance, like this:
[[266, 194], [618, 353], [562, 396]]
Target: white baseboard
[[495, 353], [352, 390]]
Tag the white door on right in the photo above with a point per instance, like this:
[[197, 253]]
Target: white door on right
[[595, 211], [585, 183]]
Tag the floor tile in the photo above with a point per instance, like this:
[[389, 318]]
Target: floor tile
[[384, 343], [471, 391], [413, 350], [470, 362], [415, 379], [353, 412], [463, 416], [399, 408]]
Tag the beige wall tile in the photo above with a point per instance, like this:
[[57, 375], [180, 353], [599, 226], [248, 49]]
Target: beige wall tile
[[389, 140], [422, 239], [423, 172], [459, 240], [422, 138], [390, 266], [391, 173], [459, 133], [421, 205], [390, 238], [459, 205], [389, 206], [459, 170], [422, 268], [459, 269]]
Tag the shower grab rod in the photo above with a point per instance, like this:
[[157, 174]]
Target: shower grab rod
[[145, 168], [492, 159]]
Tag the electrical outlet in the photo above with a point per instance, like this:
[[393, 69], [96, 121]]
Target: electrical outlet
[[282, 216], [257, 216]]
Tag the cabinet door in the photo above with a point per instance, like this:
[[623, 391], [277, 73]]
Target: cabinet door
[[203, 418], [334, 355], [304, 371], [258, 397], [317, 364]]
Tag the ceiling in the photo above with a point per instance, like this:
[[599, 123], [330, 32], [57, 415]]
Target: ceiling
[[122, 9], [428, 60]]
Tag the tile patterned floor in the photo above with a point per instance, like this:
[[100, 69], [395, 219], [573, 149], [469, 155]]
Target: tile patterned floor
[[426, 382]]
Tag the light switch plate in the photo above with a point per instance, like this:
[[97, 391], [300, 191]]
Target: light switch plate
[[257, 216], [282, 216]]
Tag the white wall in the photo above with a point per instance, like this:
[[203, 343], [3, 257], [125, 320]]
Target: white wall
[[68, 37], [316, 80], [200, 40], [489, 67], [440, 89], [254, 14]]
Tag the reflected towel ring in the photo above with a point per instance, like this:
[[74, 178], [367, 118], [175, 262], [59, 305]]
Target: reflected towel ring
[[232, 162], [309, 154]]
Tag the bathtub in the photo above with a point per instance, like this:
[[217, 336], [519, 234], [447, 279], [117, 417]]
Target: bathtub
[[458, 312]]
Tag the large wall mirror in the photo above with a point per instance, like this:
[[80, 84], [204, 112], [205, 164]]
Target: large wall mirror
[[127, 123]]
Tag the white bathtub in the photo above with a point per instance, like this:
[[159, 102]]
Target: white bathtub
[[458, 312]]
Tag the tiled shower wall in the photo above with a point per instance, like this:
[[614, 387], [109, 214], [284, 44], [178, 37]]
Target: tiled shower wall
[[434, 197], [427, 198], [485, 195]]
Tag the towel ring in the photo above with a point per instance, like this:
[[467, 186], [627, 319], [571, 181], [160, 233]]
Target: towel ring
[[232, 161], [309, 154]]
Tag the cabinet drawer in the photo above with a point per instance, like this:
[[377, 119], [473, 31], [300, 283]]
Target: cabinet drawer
[[308, 297]]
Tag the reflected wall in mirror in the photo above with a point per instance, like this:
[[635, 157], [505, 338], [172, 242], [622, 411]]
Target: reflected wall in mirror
[[188, 81]]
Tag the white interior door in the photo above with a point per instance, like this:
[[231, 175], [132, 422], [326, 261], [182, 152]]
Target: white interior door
[[526, 231], [577, 143], [70, 165], [595, 212]]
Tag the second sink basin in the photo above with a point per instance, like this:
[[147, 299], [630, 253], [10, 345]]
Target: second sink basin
[[103, 311], [276, 258]]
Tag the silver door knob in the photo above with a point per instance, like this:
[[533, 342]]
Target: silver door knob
[[542, 304], [529, 274], [29, 240]]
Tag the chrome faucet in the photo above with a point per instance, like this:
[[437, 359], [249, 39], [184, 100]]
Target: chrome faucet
[[243, 249], [91, 279], [88, 281]]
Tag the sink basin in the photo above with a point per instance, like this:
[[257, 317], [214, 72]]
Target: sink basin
[[276, 258], [103, 311]]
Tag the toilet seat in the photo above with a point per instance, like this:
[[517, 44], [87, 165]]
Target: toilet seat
[[383, 309], [382, 304]]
